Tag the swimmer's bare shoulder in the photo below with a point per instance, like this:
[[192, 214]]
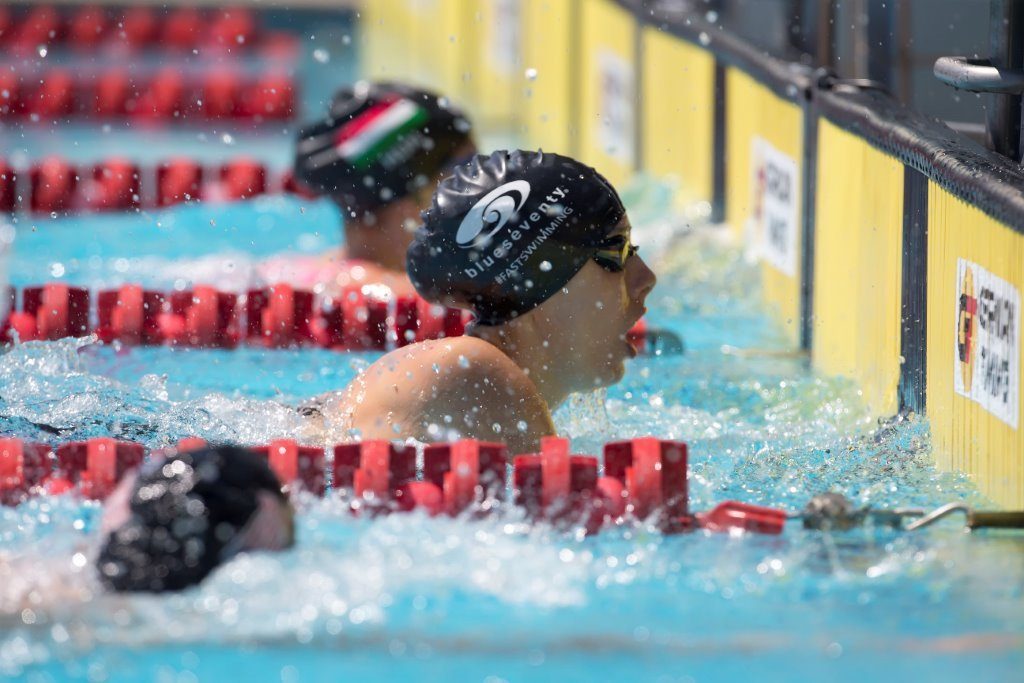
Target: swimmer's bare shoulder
[[463, 384]]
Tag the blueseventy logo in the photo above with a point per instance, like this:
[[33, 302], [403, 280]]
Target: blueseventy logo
[[491, 213]]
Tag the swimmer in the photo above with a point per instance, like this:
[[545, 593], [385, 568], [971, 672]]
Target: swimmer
[[170, 523], [537, 246], [378, 155]]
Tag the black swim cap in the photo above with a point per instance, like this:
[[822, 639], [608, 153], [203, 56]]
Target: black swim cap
[[185, 510], [508, 230], [379, 142]]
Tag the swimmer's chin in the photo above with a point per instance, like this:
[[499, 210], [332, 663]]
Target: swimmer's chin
[[612, 375]]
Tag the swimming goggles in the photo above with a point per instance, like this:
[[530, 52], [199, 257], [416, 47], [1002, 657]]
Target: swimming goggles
[[613, 253]]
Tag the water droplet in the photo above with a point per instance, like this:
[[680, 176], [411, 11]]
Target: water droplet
[[228, 139], [321, 55], [531, 74], [521, 425], [545, 266], [704, 38], [42, 51], [463, 362], [712, 16]]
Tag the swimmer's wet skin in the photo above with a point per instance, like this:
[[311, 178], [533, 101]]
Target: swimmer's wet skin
[[177, 518], [538, 247], [379, 154]]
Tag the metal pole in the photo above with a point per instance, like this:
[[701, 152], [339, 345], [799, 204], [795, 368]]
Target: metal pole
[[826, 45], [881, 26], [795, 25], [1006, 41]]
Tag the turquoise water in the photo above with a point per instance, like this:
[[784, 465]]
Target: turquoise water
[[497, 599]]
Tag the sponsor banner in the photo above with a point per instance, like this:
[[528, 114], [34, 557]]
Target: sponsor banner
[[774, 212], [616, 108], [987, 342]]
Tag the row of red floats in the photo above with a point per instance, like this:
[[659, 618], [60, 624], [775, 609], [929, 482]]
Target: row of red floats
[[94, 28], [278, 316], [643, 479], [55, 185], [163, 96], [204, 317]]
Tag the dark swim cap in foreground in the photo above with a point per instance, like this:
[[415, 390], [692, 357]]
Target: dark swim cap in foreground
[[185, 511], [379, 142], [507, 231]]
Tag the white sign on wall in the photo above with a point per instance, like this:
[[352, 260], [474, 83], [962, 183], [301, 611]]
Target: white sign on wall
[[616, 106], [775, 194], [986, 360], [504, 36]]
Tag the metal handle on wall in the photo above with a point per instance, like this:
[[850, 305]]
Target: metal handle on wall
[[978, 75]]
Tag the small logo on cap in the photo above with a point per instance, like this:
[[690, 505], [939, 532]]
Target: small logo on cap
[[491, 213]]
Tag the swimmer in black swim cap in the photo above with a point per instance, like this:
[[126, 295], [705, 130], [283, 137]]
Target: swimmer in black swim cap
[[177, 518], [379, 154], [538, 247]]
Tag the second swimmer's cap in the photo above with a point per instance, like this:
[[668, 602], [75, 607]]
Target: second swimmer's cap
[[507, 231], [379, 142], [185, 512]]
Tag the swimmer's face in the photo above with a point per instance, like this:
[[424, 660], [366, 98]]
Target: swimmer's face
[[600, 306]]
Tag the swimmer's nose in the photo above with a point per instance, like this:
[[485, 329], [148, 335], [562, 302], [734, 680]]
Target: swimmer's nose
[[639, 278]]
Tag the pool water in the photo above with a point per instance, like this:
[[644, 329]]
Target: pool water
[[498, 599]]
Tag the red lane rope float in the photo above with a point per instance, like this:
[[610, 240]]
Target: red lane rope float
[[53, 183], [8, 196], [374, 470], [240, 179], [51, 312], [654, 472], [23, 467], [56, 186], [160, 97], [115, 185], [95, 466], [178, 180], [455, 477], [294, 463], [130, 315], [135, 28]]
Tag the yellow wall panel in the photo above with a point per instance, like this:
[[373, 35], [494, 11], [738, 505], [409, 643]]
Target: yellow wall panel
[[758, 122], [493, 70], [677, 114], [966, 436], [858, 248], [547, 42], [608, 89], [387, 34], [439, 45]]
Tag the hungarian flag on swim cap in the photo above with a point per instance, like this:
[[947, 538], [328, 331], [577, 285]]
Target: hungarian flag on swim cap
[[379, 143], [379, 129]]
